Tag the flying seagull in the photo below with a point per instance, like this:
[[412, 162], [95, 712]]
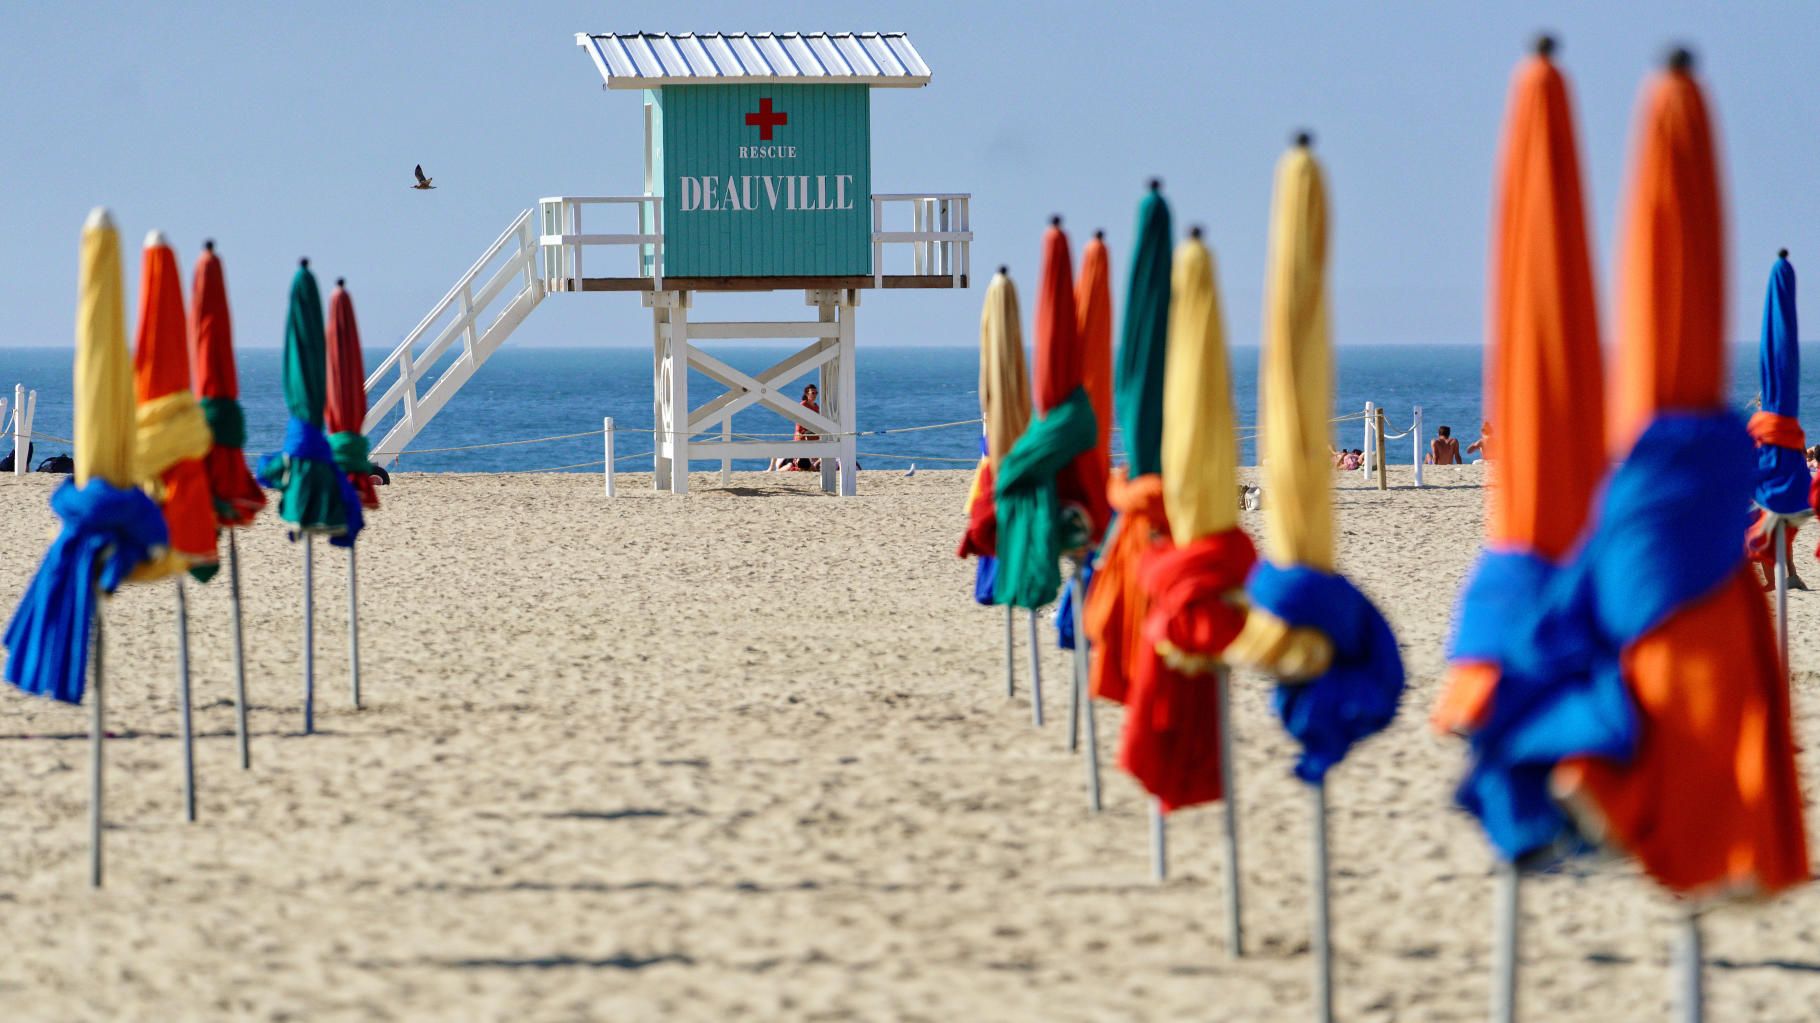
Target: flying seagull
[[422, 182]]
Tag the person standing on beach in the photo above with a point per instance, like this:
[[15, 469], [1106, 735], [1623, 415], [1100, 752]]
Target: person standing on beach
[[1444, 449]]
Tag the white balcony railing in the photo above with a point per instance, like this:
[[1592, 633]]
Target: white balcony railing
[[939, 237]]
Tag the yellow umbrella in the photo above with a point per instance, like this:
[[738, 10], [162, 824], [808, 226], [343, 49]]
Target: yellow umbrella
[[106, 434], [109, 527], [1336, 661]]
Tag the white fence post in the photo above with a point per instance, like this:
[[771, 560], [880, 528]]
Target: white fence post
[[607, 431], [1415, 431], [1365, 463], [22, 428]]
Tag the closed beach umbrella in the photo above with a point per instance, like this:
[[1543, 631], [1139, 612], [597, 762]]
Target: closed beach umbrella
[[345, 415], [173, 434], [314, 494], [1783, 480], [1004, 392], [1174, 714], [345, 411], [1336, 661], [237, 495], [1709, 802], [1062, 379], [1045, 507], [110, 527], [1177, 738], [1544, 390], [1093, 307], [1116, 604], [173, 439]]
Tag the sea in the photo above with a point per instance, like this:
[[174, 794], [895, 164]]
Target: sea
[[525, 394]]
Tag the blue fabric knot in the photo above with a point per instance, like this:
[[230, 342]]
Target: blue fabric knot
[[1358, 693], [985, 576], [305, 442], [107, 532], [1782, 480], [1665, 534]]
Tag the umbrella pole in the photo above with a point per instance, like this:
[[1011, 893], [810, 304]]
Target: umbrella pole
[[1693, 980], [1323, 949], [1086, 698], [97, 736], [1781, 541], [1036, 674], [309, 642], [1235, 928], [1010, 654], [1159, 842], [1504, 945], [184, 727], [354, 628], [240, 730]]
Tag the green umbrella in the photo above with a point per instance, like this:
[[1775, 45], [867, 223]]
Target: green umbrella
[[1144, 340], [314, 494], [309, 484]]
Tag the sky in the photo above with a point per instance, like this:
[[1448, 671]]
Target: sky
[[290, 130]]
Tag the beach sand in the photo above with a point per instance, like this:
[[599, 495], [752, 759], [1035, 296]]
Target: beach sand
[[748, 755]]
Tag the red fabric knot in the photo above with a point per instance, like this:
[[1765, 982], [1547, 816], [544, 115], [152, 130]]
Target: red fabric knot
[[1193, 611]]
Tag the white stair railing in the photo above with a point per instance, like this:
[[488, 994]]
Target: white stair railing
[[517, 280]]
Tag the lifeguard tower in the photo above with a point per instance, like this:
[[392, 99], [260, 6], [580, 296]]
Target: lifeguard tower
[[757, 177]]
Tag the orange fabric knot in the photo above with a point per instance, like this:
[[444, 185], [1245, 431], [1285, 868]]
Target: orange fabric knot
[[1769, 429], [1114, 615], [1465, 700]]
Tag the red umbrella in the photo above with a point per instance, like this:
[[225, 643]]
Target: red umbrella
[[238, 497], [1061, 371], [345, 413]]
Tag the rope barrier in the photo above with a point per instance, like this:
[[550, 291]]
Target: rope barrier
[[36, 436], [915, 458]]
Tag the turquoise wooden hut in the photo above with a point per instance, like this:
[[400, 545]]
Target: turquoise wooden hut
[[758, 176]]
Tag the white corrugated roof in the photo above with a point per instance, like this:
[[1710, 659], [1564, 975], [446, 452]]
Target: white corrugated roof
[[642, 60]]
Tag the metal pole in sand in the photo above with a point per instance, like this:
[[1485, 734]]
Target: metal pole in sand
[[1235, 928], [1087, 721], [1010, 654], [1159, 842], [97, 736], [353, 628], [1693, 980], [1323, 949], [1036, 674], [186, 733], [240, 728], [309, 642], [1780, 537], [1504, 945]]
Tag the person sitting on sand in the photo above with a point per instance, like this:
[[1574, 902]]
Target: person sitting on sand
[[1352, 459], [1482, 446], [1445, 448], [810, 394], [1813, 458]]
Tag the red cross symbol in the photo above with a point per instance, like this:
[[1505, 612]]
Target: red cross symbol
[[766, 119]]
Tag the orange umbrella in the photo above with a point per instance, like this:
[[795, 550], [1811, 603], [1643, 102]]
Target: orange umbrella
[[1543, 382], [173, 433], [1710, 802]]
